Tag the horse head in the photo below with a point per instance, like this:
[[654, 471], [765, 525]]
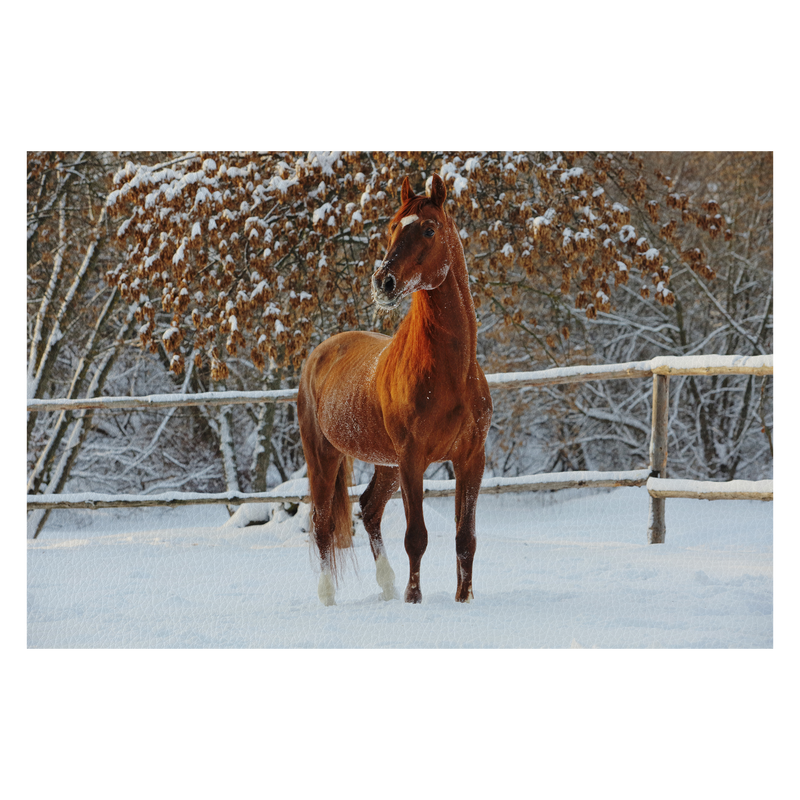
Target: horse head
[[417, 255]]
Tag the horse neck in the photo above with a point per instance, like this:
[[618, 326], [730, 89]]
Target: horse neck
[[440, 328]]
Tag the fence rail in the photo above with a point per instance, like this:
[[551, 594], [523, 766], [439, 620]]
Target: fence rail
[[663, 365], [654, 478], [525, 483], [710, 490]]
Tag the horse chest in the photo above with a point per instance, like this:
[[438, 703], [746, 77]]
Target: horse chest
[[427, 419]]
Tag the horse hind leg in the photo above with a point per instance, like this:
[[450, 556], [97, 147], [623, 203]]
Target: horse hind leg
[[326, 591], [325, 482], [328, 478], [322, 524], [383, 485]]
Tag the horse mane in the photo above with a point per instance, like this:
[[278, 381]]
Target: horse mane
[[411, 350]]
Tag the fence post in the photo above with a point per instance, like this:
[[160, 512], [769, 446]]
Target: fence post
[[658, 456]]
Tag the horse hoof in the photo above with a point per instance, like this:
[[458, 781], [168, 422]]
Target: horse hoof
[[413, 595], [464, 598]]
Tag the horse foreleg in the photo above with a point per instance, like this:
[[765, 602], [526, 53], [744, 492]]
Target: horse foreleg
[[383, 485], [416, 541], [468, 483]]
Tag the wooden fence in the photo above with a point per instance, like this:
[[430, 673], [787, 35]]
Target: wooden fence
[[654, 478]]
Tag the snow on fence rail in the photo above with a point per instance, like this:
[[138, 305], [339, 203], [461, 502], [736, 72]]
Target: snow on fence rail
[[710, 490], [658, 486], [663, 365], [525, 483]]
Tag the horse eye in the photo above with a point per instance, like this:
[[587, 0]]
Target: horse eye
[[428, 232]]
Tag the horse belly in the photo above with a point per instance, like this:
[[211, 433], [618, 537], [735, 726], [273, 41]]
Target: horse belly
[[356, 430]]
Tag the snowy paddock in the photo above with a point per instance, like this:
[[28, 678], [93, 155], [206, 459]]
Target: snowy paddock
[[552, 570]]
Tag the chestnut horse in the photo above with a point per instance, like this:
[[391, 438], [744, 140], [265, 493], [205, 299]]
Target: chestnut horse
[[400, 403]]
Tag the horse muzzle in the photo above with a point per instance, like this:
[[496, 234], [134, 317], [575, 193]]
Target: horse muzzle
[[384, 289]]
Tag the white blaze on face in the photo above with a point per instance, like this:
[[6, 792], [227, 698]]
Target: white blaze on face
[[409, 219]]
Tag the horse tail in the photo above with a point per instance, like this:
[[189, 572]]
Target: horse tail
[[342, 511]]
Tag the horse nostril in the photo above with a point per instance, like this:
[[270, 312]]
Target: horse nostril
[[384, 284]]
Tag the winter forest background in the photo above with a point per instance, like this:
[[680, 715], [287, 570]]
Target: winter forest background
[[188, 272]]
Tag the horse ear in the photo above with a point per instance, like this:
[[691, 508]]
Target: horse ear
[[405, 191], [436, 190]]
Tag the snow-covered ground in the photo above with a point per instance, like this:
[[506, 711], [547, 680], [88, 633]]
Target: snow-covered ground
[[554, 570]]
